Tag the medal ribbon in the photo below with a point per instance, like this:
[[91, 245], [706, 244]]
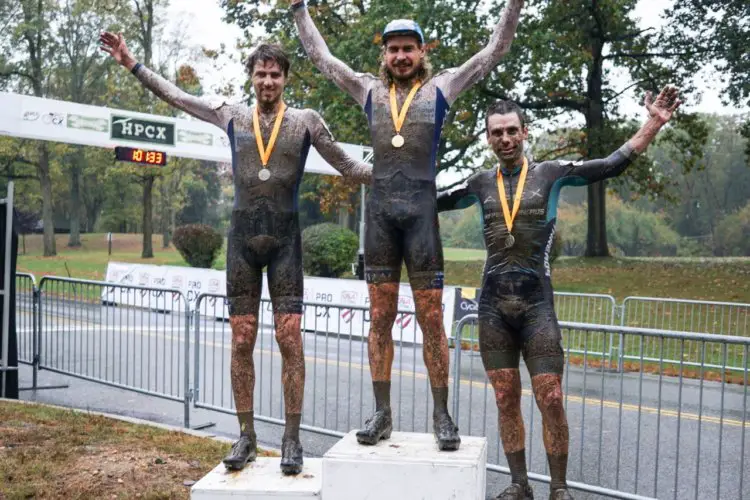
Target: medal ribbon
[[400, 117], [265, 154], [509, 218]]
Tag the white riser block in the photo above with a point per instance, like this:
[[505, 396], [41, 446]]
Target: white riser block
[[260, 479], [408, 466]]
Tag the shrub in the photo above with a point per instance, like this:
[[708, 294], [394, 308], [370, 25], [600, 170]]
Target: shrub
[[198, 244], [328, 250], [732, 233]]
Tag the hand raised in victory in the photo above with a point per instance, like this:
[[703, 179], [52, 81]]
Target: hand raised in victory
[[115, 46], [665, 104]]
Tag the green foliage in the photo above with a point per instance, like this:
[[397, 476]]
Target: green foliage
[[718, 186], [632, 232], [198, 244], [467, 231], [328, 250], [733, 233]]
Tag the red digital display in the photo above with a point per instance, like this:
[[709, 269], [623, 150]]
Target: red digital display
[[135, 155]]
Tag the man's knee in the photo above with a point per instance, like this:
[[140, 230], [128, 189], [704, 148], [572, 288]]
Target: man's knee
[[548, 394], [244, 329], [383, 307], [288, 334]]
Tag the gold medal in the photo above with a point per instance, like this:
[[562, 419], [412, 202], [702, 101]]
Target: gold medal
[[265, 152], [400, 116], [510, 217]]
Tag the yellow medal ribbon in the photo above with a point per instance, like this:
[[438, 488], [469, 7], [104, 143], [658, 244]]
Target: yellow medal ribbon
[[265, 153], [400, 116], [510, 217]]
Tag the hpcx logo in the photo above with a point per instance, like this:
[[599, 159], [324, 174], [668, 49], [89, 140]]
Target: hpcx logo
[[136, 129]]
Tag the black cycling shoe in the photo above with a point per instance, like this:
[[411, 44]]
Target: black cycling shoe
[[291, 457], [560, 494], [517, 492], [377, 427], [446, 432], [243, 451]]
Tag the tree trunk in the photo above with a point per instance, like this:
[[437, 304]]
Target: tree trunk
[[45, 182], [76, 170], [596, 238], [148, 187], [166, 218]]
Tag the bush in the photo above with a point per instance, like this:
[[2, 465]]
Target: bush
[[732, 234], [198, 244], [328, 250], [468, 231], [630, 232]]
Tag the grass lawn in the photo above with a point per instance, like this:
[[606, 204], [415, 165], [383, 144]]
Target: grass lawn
[[54, 453], [700, 279]]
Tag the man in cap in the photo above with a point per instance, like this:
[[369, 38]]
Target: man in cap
[[406, 107]]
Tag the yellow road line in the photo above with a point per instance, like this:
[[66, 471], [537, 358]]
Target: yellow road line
[[526, 392]]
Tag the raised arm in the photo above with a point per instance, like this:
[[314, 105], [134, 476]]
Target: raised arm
[[212, 112], [322, 139], [660, 112], [460, 196], [456, 80], [355, 84]]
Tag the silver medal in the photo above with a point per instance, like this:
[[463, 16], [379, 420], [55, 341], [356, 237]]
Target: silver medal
[[510, 241], [264, 174]]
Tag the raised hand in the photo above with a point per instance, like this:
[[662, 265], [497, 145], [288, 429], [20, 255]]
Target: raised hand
[[114, 45], [296, 2], [665, 104]]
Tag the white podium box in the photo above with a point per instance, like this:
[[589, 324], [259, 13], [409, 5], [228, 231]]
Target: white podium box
[[408, 466], [260, 479]]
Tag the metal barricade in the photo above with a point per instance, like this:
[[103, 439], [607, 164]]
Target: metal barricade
[[590, 308], [662, 431], [125, 336], [722, 318], [26, 317], [338, 391]]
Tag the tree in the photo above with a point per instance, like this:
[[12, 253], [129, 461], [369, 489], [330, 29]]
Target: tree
[[563, 60], [560, 66], [80, 77], [31, 48], [726, 22]]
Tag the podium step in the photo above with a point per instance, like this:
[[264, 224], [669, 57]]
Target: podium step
[[260, 479], [408, 466]]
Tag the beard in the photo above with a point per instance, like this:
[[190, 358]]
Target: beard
[[405, 77], [268, 104]]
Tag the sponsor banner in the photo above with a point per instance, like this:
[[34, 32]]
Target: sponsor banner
[[336, 318], [191, 282], [467, 302], [88, 123], [195, 138], [61, 121]]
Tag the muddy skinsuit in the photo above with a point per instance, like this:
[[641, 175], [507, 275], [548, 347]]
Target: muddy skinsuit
[[264, 231], [401, 222], [516, 309]]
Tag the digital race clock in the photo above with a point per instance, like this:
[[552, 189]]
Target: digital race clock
[[135, 155]]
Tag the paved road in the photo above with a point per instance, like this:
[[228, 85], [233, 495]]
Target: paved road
[[622, 426]]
